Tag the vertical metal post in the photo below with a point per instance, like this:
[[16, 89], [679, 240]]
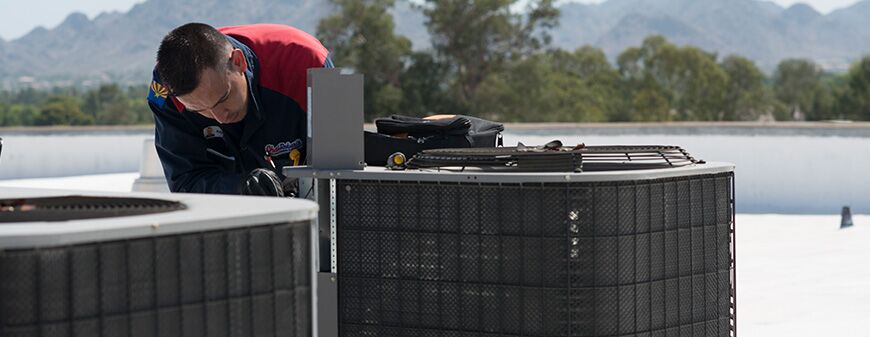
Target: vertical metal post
[[734, 249], [314, 260], [326, 294]]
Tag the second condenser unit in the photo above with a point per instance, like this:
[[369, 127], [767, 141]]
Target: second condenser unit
[[522, 241], [631, 247]]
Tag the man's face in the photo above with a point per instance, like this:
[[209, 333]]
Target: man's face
[[222, 93]]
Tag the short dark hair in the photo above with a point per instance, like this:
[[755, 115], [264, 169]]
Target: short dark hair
[[185, 52]]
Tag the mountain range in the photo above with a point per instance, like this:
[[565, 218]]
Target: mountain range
[[121, 46], [761, 31]]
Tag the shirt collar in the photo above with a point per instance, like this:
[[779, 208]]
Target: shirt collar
[[252, 74], [255, 118]]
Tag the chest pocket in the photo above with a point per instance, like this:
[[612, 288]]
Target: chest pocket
[[216, 147], [218, 152]]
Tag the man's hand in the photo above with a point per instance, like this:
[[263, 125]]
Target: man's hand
[[262, 182]]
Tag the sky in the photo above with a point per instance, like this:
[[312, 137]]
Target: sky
[[18, 17], [824, 6]]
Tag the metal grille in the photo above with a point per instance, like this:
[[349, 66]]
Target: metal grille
[[245, 282], [557, 158], [80, 207], [642, 258]]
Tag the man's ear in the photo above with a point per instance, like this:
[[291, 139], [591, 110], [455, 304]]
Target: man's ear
[[238, 60]]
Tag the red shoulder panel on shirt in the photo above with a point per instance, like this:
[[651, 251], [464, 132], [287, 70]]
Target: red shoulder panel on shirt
[[285, 54], [178, 106]]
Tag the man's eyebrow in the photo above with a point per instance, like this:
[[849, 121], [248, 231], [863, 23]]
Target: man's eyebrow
[[221, 100]]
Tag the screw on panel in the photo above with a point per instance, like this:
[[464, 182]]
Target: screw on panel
[[574, 228], [573, 215]]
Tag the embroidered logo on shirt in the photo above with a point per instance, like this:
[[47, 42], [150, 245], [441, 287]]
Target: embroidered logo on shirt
[[213, 131], [283, 147]]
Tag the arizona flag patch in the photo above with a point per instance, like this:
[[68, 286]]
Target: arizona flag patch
[[157, 93]]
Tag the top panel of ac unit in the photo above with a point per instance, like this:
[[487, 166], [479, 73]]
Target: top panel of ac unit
[[183, 213], [475, 175]]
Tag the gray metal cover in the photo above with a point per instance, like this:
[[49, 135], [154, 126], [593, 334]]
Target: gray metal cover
[[204, 212], [335, 105]]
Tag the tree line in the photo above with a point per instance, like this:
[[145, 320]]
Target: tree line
[[494, 62], [490, 60], [108, 104]]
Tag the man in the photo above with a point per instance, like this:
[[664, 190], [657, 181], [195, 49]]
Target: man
[[230, 105]]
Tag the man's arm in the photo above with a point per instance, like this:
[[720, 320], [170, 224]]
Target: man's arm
[[183, 153]]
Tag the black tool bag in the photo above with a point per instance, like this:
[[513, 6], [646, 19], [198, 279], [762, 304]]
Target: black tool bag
[[410, 135]]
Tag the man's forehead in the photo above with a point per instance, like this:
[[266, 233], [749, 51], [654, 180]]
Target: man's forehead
[[212, 86]]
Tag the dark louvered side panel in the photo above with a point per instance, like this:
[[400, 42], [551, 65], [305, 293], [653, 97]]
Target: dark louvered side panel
[[253, 281], [637, 258]]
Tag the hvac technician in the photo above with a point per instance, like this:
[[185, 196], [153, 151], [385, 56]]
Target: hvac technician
[[230, 105]]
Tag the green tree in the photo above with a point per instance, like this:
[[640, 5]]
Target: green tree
[[30, 96], [108, 105], [746, 97], [798, 84], [687, 77], [650, 105], [590, 65], [533, 90], [361, 36], [424, 87], [477, 38], [635, 80], [134, 101], [587, 63], [699, 84], [830, 102], [5, 116], [21, 115], [62, 110], [856, 98]]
